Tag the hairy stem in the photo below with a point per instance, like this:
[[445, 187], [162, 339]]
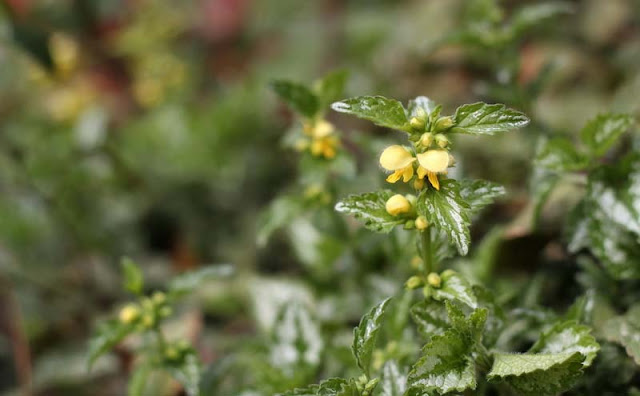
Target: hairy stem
[[427, 252]]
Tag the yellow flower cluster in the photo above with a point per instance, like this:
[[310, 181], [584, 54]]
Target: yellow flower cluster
[[321, 139], [422, 162]]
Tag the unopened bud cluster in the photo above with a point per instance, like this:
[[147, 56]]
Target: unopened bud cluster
[[147, 313]]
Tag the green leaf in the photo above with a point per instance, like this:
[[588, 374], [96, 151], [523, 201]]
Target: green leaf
[[454, 287], [133, 280], [138, 380], [299, 97], [188, 281], [329, 387], [331, 88], [533, 15], [108, 335], [487, 119], [447, 363], [603, 131], [625, 330], [378, 109], [394, 381], [480, 193], [447, 210], [431, 317], [296, 339], [537, 374], [560, 155], [568, 337], [365, 335], [552, 365], [280, 212], [370, 208], [187, 373], [421, 102]]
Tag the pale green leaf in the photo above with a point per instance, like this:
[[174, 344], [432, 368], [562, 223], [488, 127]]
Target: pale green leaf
[[133, 280], [188, 281], [560, 155], [487, 119], [296, 339], [454, 287], [280, 212], [377, 109], [187, 373], [370, 208], [138, 380], [568, 337], [447, 210], [299, 97], [603, 131], [365, 335], [431, 317], [394, 380], [625, 330]]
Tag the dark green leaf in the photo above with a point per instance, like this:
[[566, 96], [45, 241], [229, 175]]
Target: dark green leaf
[[431, 317], [480, 193], [447, 210], [188, 281], [299, 97], [108, 335], [487, 119], [447, 363], [133, 280], [603, 131], [331, 88], [378, 109], [365, 335], [560, 155], [370, 208], [625, 330], [394, 380]]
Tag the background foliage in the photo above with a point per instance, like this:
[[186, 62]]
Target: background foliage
[[153, 130]]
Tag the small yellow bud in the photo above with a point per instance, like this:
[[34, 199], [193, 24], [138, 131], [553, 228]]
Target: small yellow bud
[[409, 225], [183, 345], [417, 123], [397, 204], [322, 129], [147, 304], [416, 262], [418, 184], [148, 321], [448, 273], [159, 298], [426, 139], [434, 280], [426, 291], [441, 140], [443, 124], [165, 312], [414, 282], [171, 353], [129, 314], [421, 223]]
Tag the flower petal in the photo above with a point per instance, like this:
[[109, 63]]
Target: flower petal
[[395, 157], [435, 161]]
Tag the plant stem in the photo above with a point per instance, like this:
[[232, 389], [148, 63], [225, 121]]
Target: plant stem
[[427, 253]]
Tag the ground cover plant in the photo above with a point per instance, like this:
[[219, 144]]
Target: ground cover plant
[[225, 197]]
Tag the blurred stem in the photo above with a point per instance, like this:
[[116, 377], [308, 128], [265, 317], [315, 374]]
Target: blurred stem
[[162, 342], [427, 251], [11, 319]]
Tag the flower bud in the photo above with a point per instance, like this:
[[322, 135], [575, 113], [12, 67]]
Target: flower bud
[[409, 225], [418, 184], [426, 139], [434, 280], [165, 312], [414, 282], [159, 298], [416, 262], [441, 140], [443, 124], [417, 123], [148, 321], [397, 204], [129, 314], [448, 273], [171, 353], [421, 223]]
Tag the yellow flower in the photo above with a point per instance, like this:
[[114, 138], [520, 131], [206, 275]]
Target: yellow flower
[[323, 141], [421, 223], [129, 313], [399, 160], [432, 163], [397, 204]]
